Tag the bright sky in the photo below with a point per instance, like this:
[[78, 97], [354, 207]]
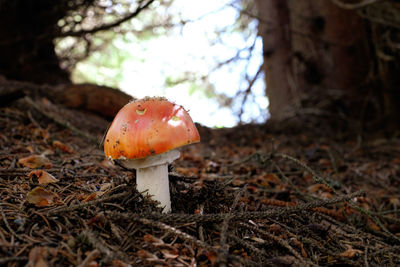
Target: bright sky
[[188, 49]]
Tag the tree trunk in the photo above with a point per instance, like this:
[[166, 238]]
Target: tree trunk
[[274, 28], [310, 47], [27, 30]]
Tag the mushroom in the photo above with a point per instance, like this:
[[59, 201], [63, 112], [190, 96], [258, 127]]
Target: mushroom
[[144, 136]]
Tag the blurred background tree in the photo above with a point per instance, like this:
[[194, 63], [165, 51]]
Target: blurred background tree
[[29, 29], [337, 59]]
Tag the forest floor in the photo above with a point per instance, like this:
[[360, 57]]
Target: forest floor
[[254, 195]]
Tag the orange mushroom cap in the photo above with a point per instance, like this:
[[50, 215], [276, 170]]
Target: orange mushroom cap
[[148, 127]]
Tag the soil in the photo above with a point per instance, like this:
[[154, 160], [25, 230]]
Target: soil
[[279, 194]]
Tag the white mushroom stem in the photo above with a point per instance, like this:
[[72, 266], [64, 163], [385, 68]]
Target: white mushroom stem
[[152, 176], [155, 180]]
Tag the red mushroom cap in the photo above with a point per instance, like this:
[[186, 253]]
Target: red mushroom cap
[[148, 127]]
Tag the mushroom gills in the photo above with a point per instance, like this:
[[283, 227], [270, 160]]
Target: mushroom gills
[[167, 157]]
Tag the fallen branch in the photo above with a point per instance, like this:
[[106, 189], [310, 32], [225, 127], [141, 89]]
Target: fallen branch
[[216, 217]]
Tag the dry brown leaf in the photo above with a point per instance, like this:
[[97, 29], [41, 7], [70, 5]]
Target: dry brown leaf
[[170, 254], [238, 182], [373, 226], [395, 201], [89, 261], [30, 149], [272, 178], [318, 188], [151, 239], [40, 133], [63, 147], [106, 163], [275, 228], [326, 195], [299, 245], [211, 256], [91, 197], [42, 198], [104, 187], [37, 257], [144, 254], [35, 161], [351, 253], [42, 177]]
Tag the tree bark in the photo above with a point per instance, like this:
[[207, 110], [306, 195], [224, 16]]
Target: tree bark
[[310, 47], [274, 28], [27, 30]]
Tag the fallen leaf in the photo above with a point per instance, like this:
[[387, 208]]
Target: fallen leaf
[[151, 239], [63, 147], [395, 201], [37, 257], [170, 254], [211, 256], [318, 188], [40, 133], [106, 163], [89, 261], [30, 149], [42, 198], [90, 197], [373, 226], [35, 161], [104, 187], [351, 253], [299, 245], [146, 255], [42, 177], [238, 182]]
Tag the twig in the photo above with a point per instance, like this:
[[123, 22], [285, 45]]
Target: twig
[[366, 264], [248, 90], [385, 250], [97, 243], [352, 6], [224, 228], [8, 225], [89, 258], [215, 217], [291, 185], [259, 253], [110, 25], [279, 241], [316, 177]]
